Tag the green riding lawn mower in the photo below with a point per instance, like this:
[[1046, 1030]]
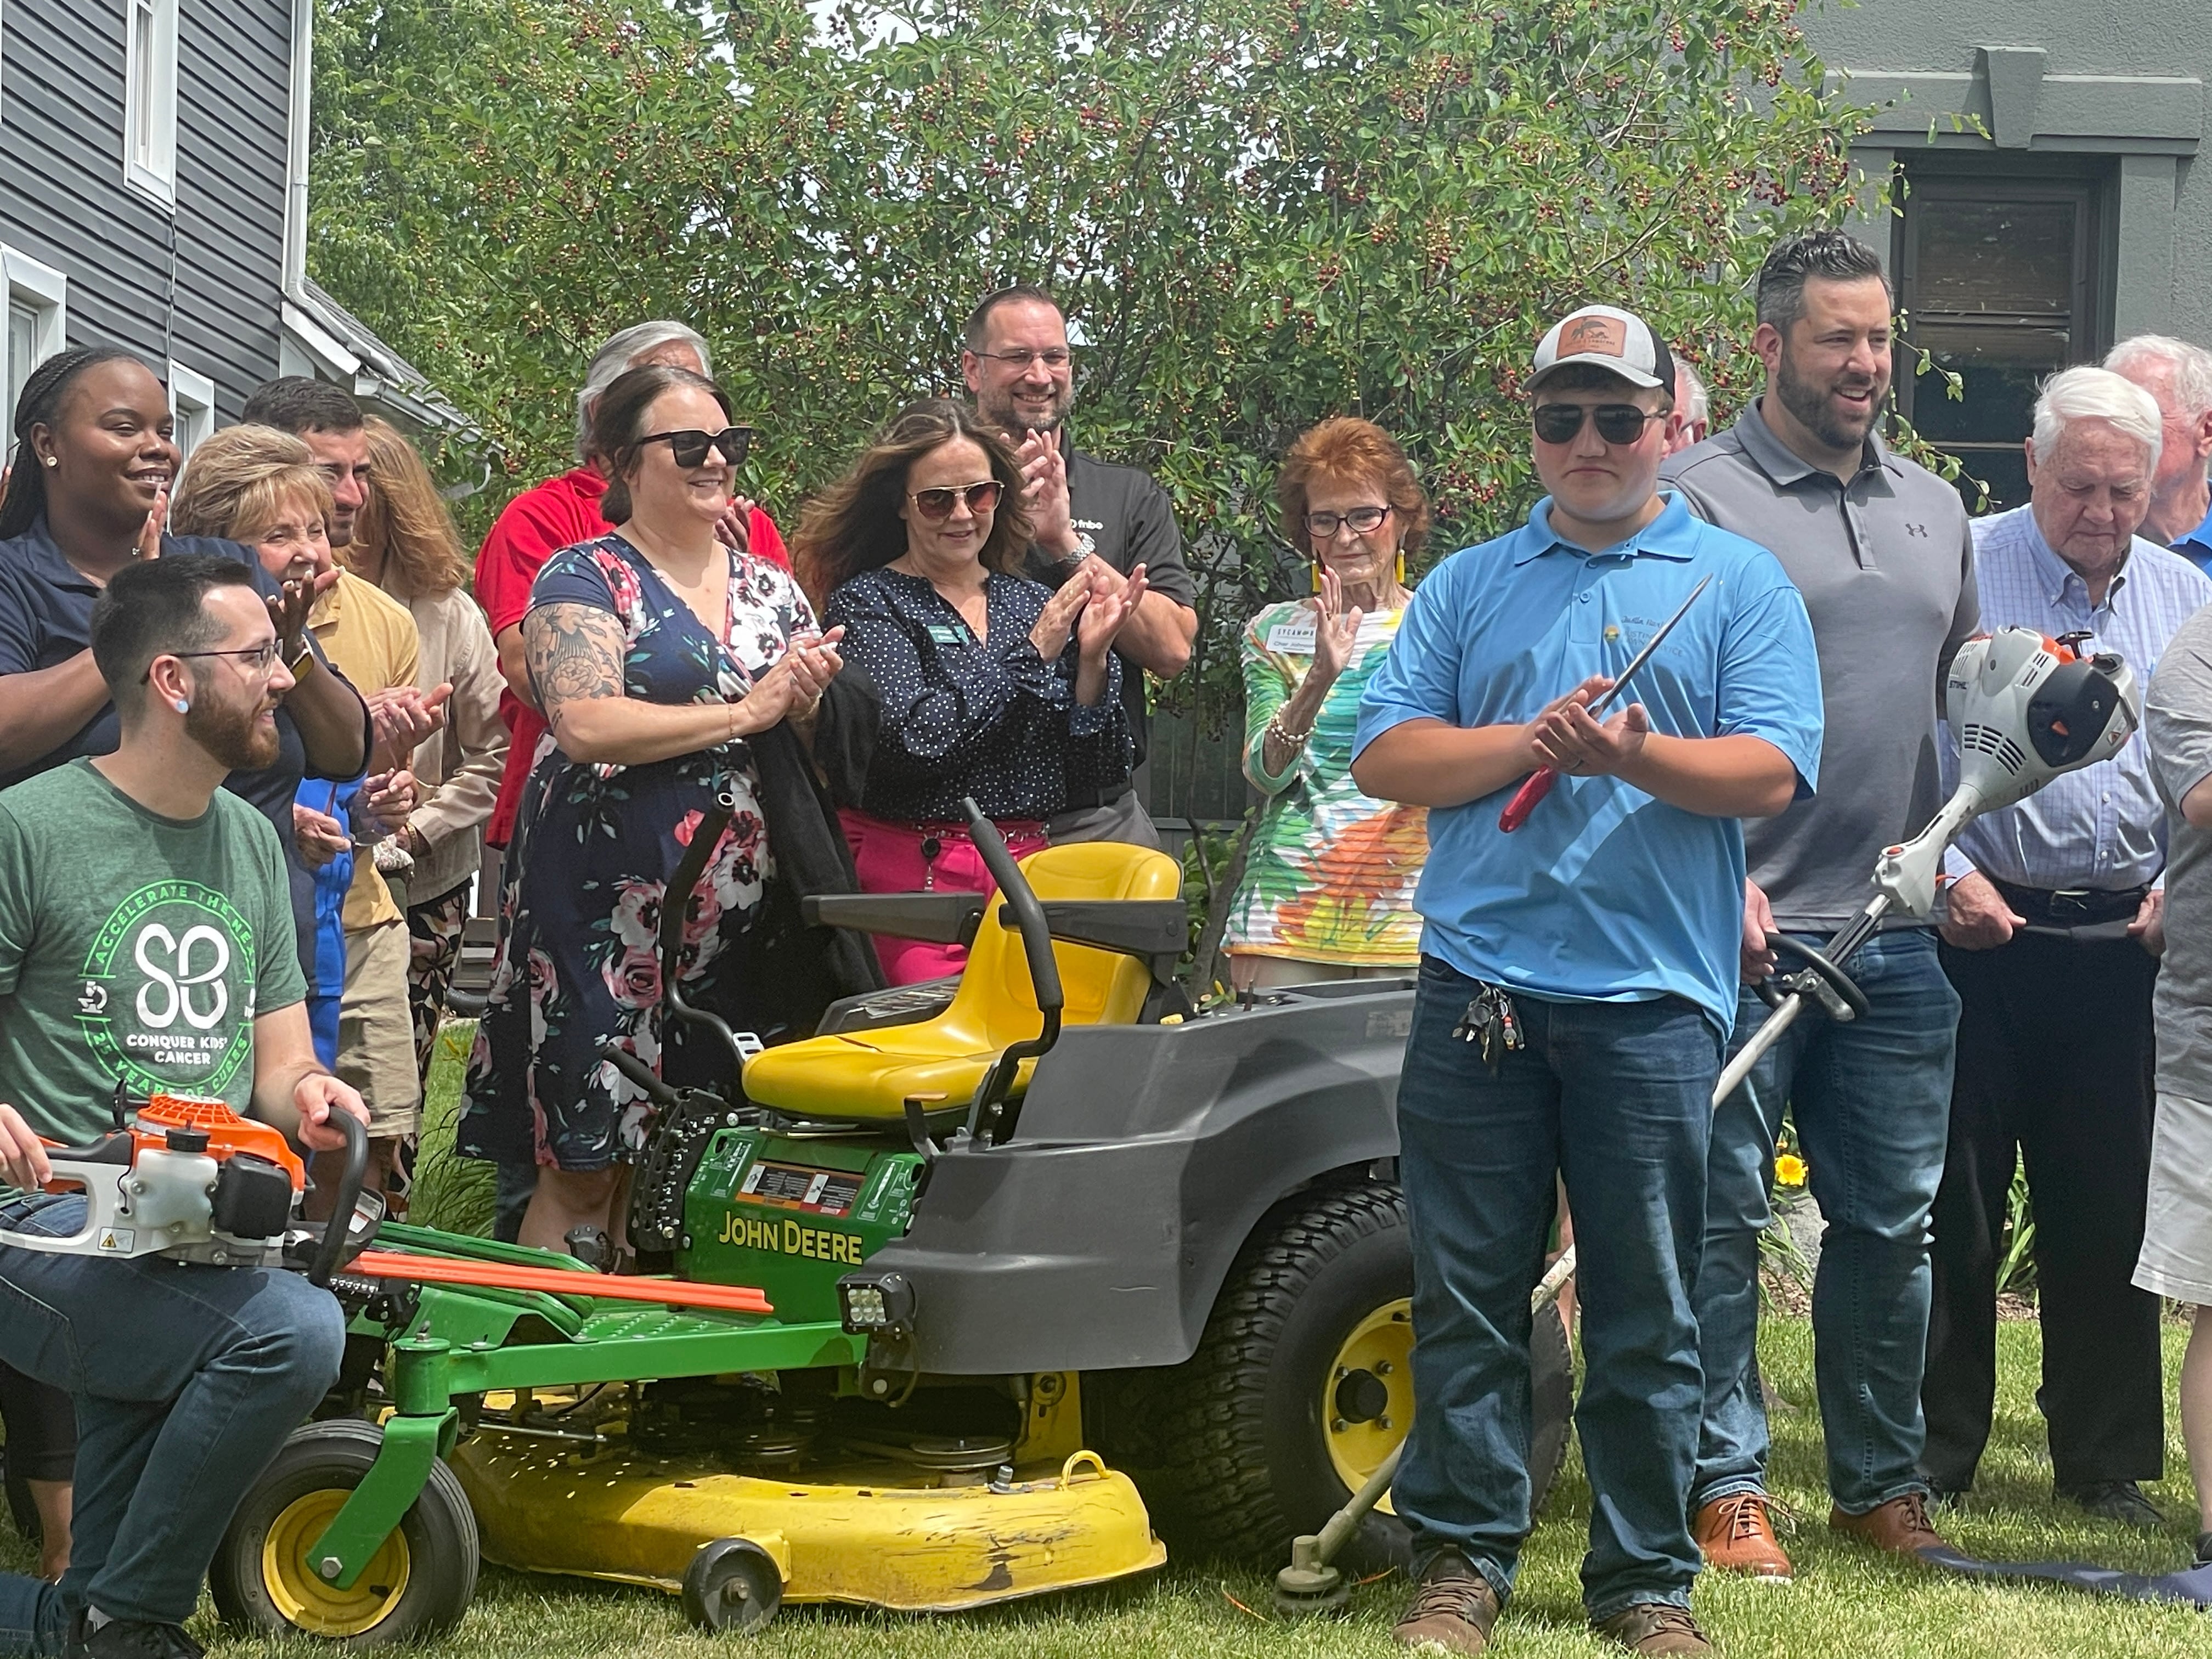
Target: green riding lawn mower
[[968, 1297]]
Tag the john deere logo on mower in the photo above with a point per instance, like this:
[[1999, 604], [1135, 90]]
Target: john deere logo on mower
[[789, 1238]]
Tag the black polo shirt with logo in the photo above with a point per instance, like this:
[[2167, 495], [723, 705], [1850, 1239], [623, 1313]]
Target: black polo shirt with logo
[[1126, 519]]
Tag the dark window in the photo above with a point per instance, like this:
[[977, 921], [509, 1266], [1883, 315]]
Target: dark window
[[2000, 280]]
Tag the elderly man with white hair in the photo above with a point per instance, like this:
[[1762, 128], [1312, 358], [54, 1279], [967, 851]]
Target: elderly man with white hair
[[562, 512], [2179, 376], [2052, 941]]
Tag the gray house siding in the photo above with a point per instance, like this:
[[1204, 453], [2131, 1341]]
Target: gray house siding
[[2121, 82], [202, 283]]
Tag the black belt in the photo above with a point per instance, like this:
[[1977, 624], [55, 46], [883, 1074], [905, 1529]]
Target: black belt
[[2072, 906]]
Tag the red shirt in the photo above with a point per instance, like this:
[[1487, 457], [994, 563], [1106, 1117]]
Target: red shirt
[[535, 525]]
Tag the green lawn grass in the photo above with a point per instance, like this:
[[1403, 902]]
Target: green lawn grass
[[1846, 1601]]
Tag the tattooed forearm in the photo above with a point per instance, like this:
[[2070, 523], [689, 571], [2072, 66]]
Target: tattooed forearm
[[574, 652]]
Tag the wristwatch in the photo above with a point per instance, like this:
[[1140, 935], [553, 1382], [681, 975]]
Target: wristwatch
[[298, 667]]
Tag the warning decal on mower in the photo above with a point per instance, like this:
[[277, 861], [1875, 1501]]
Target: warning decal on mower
[[824, 1192], [118, 1239]]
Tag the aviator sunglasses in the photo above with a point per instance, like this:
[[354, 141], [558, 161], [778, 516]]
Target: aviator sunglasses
[[934, 504], [690, 446], [1617, 424]]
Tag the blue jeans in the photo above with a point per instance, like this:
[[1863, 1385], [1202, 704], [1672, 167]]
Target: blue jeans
[[187, 1380], [1616, 1096], [1871, 1099]]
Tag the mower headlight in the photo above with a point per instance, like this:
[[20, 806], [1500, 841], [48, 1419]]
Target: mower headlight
[[869, 1303]]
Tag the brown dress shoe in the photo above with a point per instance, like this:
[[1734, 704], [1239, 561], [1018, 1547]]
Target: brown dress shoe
[[1655, 1627], [1737, 1535], [1453, 1608], [1900, 1525]]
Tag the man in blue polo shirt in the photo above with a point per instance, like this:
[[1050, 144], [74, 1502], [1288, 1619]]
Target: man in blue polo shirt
[[1578, 976]]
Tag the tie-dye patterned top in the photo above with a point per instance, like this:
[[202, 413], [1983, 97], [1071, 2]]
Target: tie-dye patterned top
[[1331, 872]]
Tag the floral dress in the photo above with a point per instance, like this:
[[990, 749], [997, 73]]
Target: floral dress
[[593, 850]]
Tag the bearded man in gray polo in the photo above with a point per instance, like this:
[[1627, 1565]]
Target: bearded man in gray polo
[[1880, 548]]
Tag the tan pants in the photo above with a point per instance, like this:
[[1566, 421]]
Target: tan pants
[[376, 1031]]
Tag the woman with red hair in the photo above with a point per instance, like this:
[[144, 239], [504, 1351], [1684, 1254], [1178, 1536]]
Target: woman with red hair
[[1327, 891]]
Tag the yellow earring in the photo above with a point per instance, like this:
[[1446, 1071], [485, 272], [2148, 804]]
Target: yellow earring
[[1316, 575], [1401, 569]]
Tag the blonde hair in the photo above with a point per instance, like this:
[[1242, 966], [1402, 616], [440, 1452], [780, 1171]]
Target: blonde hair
[[406, 517], [240, 480]]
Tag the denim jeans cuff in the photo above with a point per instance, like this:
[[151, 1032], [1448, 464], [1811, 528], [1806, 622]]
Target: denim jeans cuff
[[1889, 1494], [1621, 1601], [1726, 1486]]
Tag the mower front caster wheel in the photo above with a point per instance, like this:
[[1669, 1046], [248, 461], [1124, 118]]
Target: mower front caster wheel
[[732, 1584], [418, 1584]]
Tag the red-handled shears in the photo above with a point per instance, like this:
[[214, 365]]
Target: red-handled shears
[[1541, 780]]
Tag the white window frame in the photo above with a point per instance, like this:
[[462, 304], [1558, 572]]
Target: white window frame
[[150, 101], [31, 282], [192, 401]]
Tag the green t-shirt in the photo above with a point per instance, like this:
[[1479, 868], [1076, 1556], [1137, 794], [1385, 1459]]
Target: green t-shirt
[[133, 949]]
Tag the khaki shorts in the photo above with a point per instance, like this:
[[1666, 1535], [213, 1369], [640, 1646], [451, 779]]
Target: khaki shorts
[[376, 1031]]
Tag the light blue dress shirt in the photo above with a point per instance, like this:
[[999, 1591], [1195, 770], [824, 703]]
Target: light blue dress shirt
[[1606, 894], [2102, 827]]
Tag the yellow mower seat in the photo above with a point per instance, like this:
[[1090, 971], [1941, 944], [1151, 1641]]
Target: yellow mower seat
[[870, 1075]]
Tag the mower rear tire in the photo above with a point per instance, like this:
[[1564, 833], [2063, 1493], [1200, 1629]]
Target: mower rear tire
[[419, 1584], [732, 1584], [1300, 1385]]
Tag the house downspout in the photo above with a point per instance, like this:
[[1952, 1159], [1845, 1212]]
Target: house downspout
[[297, 132]]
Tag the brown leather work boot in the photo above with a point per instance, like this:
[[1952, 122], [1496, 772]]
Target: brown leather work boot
[[1900, 1525], [1655, 1627], [1453, 1608], [1737, 1535]]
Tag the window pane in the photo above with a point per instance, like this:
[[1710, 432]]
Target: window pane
[[2009, 258], [2000, 369], [22, 353], [143, 45]]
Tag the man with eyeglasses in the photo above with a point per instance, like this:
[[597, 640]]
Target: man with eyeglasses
[[1880, 548], [146, 943], [1578, 973], [1092, 519]]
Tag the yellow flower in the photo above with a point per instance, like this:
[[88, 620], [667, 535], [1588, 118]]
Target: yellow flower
[[1789, 1171]]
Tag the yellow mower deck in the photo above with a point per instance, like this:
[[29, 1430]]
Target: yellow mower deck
[[878, 1535]]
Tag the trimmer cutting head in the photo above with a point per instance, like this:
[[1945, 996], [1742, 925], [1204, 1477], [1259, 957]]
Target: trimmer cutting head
[[2025, 709]]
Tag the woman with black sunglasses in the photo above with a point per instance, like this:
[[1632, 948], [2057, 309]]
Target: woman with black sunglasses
[[991, 684], [669, 665]]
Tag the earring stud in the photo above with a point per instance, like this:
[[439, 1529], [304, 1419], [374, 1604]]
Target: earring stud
[[53, 461], [183, 708]]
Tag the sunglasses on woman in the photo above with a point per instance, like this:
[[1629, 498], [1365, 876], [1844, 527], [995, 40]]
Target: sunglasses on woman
[[1617, 424], [690, 446], [934, 504]]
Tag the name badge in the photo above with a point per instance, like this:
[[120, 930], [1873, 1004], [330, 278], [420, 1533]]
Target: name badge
[[1295, 637], [945, 634]]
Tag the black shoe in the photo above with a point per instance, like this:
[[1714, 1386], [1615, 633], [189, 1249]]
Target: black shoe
[[126, 1638], [2203, 1550], [2117, 1500]]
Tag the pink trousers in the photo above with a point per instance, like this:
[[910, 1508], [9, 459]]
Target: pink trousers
[[915, 858]]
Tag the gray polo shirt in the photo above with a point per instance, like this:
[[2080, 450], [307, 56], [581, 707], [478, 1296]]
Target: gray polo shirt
[[1886, 566]]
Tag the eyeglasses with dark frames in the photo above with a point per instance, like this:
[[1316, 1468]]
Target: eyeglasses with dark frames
[[1050, 357], [1617, 424], [1362, 520], [689, 445], [933, 504]]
